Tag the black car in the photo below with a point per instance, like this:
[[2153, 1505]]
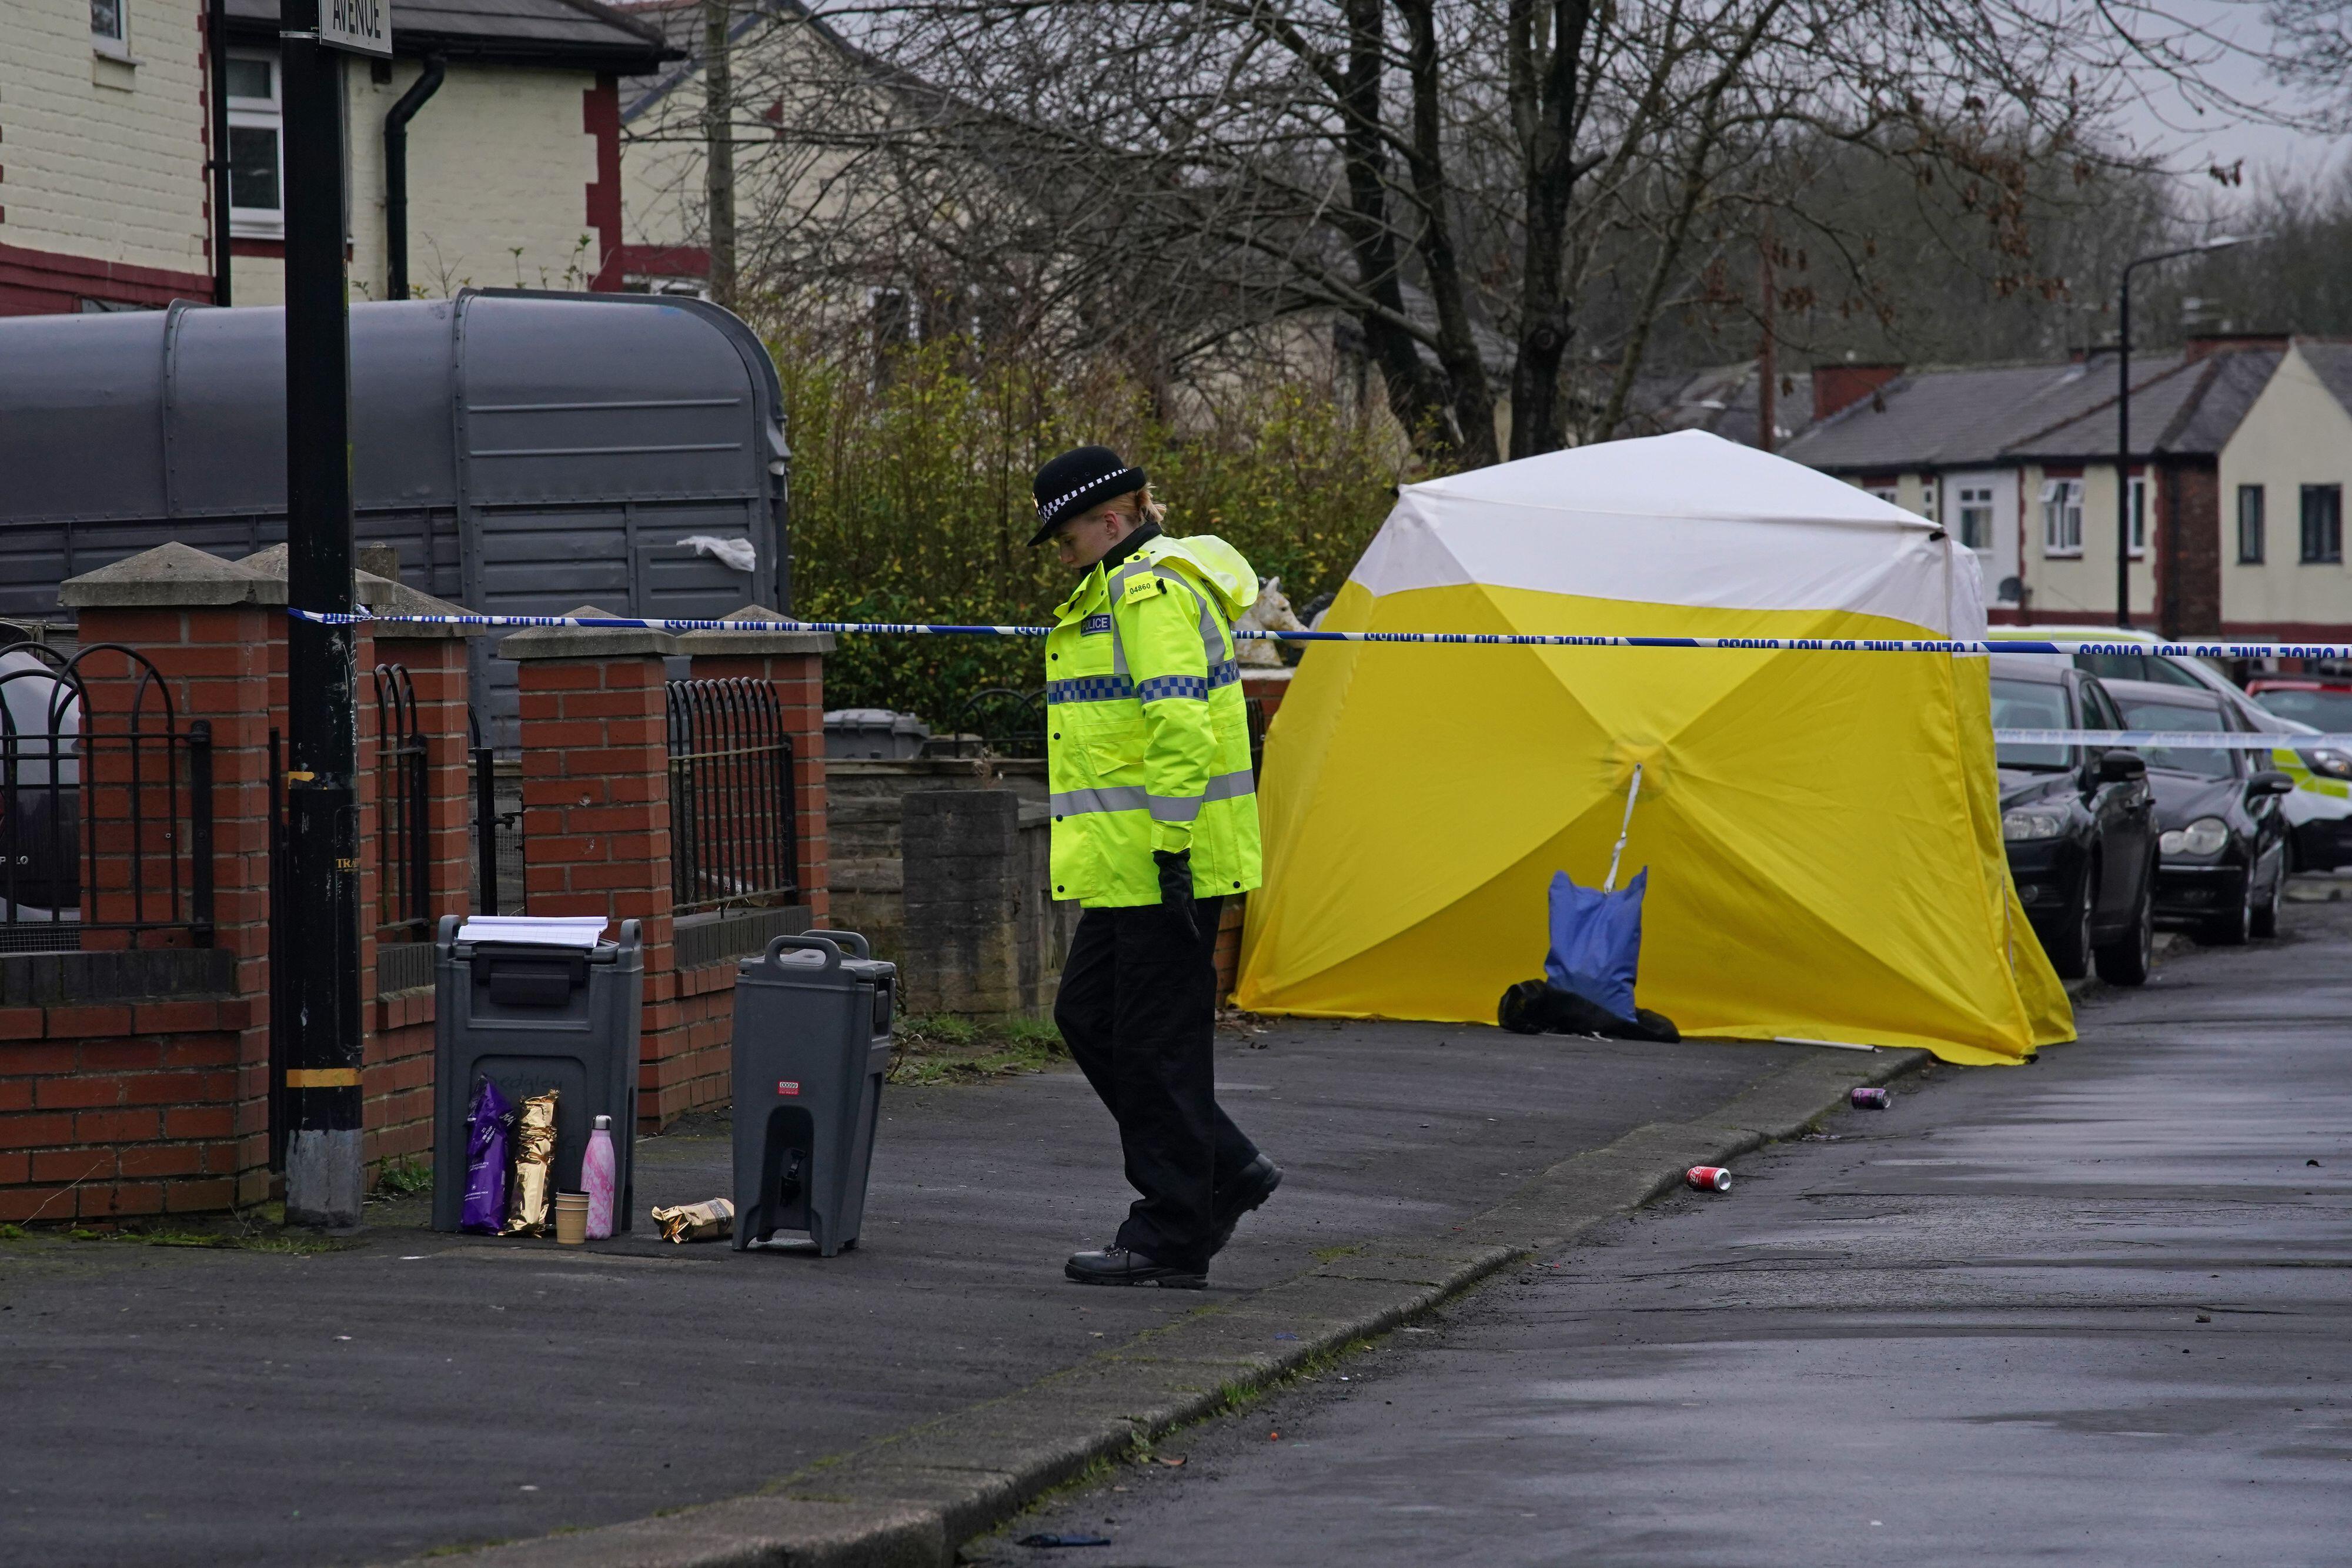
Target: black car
[[2078, 822], [2224, 844]]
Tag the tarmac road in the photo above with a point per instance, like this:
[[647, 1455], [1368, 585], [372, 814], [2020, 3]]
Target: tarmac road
[[2097, 1310]]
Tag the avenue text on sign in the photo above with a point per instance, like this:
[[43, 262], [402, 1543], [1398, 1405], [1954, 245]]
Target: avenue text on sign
[[363, 26]]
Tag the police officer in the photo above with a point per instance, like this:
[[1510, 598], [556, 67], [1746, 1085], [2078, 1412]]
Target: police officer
[[1155, 826]]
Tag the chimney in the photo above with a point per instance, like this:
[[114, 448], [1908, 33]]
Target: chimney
[[2201, 345], [1841, 386]]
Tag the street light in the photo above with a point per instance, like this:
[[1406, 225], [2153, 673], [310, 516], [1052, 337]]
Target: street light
[[2123, 415]]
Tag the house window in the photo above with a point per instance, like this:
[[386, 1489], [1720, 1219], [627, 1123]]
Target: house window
[[1976, 516], [2323, 524], [1931, 499], [1884, 489], [2062, 516], [2139, 516], [2250, 525], [256, 194], [106, 25]]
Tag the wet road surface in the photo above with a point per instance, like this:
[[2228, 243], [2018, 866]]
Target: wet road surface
[[2095, 1310], [163, 1404]]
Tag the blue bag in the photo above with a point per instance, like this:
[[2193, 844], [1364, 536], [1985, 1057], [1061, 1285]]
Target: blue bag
[[1596, 942]]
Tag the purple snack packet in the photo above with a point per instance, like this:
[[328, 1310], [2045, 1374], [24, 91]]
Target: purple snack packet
[[486, 1170]]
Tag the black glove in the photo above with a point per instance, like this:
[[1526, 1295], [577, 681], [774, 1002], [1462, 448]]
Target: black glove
[[1176, 889]]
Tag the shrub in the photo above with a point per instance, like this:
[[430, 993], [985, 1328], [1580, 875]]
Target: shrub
[[910, 501]]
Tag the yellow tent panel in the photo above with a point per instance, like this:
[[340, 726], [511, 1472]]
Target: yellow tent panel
[[1822, 828]]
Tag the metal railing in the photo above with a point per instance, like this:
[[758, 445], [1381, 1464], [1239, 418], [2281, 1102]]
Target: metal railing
[[106, 811], [732, 837], [487, 820], [403, 811], [995, 721]]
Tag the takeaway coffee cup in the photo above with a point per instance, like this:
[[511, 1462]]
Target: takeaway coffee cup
[[571, 1219]]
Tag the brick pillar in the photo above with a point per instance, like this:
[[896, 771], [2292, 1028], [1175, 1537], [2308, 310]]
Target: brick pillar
[[172, 1098], [794, 664], [397, 1077], [396, 1021], [595, 798]]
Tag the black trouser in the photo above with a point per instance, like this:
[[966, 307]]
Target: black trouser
[[1138, 1006]]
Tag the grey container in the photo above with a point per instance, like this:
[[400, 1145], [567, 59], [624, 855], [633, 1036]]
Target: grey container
[[524, 453], [812, 1042], [535, 1019], [874, 735]]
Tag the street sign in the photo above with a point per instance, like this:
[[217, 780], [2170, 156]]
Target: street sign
[[362, 27]]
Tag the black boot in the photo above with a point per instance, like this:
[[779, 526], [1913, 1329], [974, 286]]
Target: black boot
[[1251, 1187], [1118, 1266]]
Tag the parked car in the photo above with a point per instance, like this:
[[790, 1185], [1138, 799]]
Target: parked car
[[40, 795], [2223, 856], [2318, 812], [2320, 840], [2325, 704], [2078, 822]]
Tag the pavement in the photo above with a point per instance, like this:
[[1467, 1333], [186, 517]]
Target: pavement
[[2095, 1309], [414, 1392]]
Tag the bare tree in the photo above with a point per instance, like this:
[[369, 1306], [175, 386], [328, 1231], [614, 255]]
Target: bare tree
[[1499, 205]]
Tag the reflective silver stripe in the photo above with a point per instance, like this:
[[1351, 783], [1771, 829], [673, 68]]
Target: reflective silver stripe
[[1184, 808], [1082, 802], [1163, 808]]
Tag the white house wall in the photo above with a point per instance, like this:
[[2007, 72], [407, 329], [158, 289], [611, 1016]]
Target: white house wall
[[2073, 588], [102, 155], [2296, 434], [1998, 556], [499, 162]]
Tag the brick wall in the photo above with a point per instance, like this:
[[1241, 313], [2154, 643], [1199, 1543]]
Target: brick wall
[[396, 1071], [142, 1103], [596, 835], [112, 1110], [139, 1104], [160, 1103]]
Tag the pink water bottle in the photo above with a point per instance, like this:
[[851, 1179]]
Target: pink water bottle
[[597, 1176]]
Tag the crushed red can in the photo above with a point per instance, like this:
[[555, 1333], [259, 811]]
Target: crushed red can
[[1865, 1098], [1710, 1178]]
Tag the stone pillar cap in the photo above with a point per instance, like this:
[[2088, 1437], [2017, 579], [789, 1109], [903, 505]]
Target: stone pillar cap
[[179, 576], [753, 645], [587, 641]]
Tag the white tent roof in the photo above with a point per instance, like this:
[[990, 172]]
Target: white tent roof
[[1686, 519]]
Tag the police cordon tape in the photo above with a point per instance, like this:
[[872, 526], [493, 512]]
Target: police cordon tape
[[1447, 639], [2172, 739], [2180, 740]]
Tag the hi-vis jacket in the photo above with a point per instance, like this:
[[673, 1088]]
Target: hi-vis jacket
[[1147, 734]]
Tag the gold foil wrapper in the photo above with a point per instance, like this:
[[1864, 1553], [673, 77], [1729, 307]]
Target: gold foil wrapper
[[534, 1169], [705, 1222]]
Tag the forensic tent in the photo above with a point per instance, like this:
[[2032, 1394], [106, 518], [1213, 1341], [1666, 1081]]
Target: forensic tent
[[1821, 828]]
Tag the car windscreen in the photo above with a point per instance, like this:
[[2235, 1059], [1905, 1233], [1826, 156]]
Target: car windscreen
[[2329, 711], [2032, 705], [2172, 716]]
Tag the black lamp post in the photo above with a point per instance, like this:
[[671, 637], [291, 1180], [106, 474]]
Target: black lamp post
[[2123, 415]]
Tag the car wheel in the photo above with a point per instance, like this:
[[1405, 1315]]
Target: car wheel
[[2264, 921], [2127, 960], [2231, 930], [2070, 949]]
